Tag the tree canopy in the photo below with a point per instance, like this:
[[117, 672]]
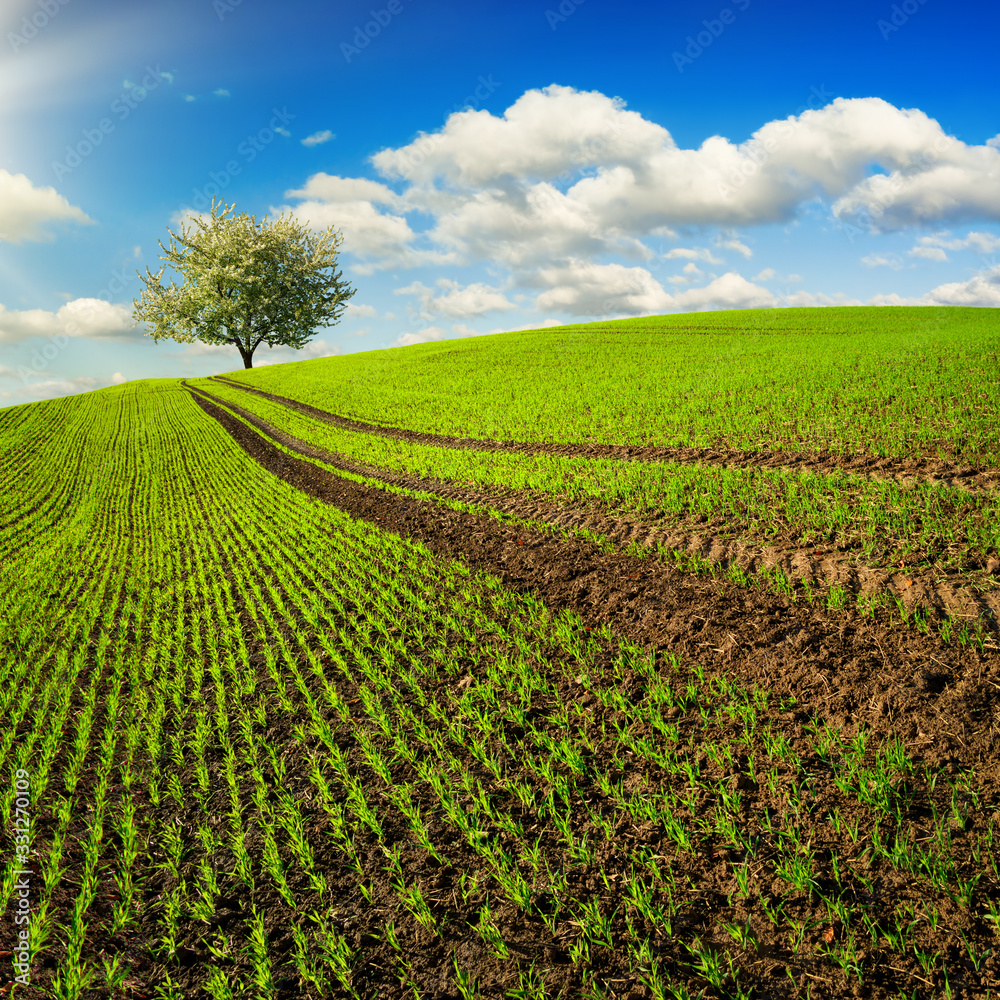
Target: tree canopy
[[245, 283]]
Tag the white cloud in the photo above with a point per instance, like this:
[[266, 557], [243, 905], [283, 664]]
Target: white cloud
[[882, 260], [336, 190], [544, 133], [582, 288], [982, 289], [184, 217], [793, 298], [766, 275], [732, 243], [424, 336], [118, 378], [564, 174], [229, 358], [928, 253], [198, 349], [605, 290], [360, 310], [78, 318], [381, 240], [953, 183], [729, 291], [49, 388], [701, 254], [221, 92], [981, 243], [24, 209], [318, 138], [457, 302]]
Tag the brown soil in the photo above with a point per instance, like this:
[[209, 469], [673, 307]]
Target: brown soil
[[904, 471], [940, 590]]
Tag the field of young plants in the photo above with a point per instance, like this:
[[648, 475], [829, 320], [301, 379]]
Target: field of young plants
[[654, 659]]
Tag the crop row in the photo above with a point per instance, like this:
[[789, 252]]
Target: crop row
[[881, 521]]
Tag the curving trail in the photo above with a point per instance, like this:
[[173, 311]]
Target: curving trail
[[849, 668], [939, 589], [901, 470]]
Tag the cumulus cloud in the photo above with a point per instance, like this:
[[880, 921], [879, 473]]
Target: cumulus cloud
[[982, 289], [728, 291], [951, 183], [457, 302], [587, 289], [264, 355], [701, 254], [565, 174], [280, 355], [766, 275], [583, 288], [542, 135], [380, 239], [981, 243], [360, 310], [25, 209], [49, 388], [78, 318]]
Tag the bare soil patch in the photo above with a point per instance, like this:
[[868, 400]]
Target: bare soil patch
[[906, 470]]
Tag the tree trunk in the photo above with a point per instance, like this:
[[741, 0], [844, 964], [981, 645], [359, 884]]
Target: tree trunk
[[247, 357]]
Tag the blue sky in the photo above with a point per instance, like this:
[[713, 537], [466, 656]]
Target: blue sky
[[492, 165]]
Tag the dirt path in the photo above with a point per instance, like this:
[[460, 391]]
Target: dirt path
[[942, 590], [942, 699], [904, 471]]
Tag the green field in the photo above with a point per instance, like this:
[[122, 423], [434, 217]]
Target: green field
[[898, 381], [292, 710]]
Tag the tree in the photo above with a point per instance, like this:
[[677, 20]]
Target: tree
[[245, 284]]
